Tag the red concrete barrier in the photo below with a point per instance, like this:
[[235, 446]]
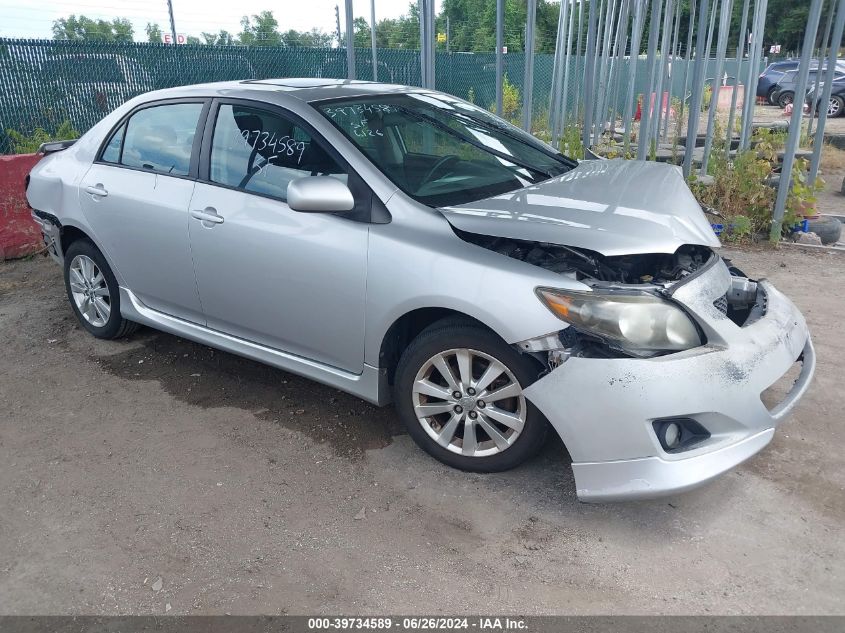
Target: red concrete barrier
[[19, 234]]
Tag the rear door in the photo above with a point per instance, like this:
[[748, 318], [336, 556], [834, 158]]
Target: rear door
[[136, 196]]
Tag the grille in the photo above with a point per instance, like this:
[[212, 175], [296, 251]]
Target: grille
[[721, 304]]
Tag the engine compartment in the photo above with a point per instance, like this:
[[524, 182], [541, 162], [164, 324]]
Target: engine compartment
[[586, 265]]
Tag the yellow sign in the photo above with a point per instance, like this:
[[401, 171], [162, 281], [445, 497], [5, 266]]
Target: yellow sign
[[441, 37]]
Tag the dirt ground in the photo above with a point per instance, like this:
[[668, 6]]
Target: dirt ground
[[150, 475]]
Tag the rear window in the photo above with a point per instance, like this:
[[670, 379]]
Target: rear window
[[159, 138]]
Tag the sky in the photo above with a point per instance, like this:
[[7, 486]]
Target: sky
[[34, 18]]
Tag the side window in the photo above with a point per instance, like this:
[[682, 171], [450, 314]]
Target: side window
[[111, 154], [263, 152], [160, 138]]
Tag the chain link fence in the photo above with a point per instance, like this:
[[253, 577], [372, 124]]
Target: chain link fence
[[47, 84]]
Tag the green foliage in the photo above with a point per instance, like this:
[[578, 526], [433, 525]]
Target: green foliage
[[706, 97], [153, 33], [261, 30], [801, 200], [84, 29], [471, 95], [571, 143], [739, 191], [28, 143]]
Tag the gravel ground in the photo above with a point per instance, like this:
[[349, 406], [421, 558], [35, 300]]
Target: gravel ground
[[153, 475]]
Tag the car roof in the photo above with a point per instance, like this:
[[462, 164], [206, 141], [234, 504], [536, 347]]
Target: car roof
[[307, 90]]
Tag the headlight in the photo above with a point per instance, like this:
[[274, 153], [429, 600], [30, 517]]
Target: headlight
[[639, 323]]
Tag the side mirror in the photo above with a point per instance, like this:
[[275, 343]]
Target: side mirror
[[319, 194]]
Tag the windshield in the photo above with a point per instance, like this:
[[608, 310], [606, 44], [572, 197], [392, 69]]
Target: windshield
[[442, 151]]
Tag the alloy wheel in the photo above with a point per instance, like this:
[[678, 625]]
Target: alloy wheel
[[89, 290], [833, 108], [469, 402]]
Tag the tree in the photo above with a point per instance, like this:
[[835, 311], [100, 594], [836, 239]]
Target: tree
[[153, 33], [221, 38], [361, 29], [83, 29], [313, 38], [262, 30]]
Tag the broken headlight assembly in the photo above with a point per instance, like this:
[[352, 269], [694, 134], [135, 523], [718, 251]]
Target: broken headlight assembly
[[640, 324]]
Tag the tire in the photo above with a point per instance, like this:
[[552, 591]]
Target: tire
[[512, 445], [785, 98], [87, 275], [770, 97], [828, 228], [836, 106]]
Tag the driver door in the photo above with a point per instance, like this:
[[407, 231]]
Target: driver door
[[287, 280]]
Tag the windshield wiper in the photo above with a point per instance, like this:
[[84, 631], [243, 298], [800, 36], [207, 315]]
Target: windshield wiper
[[474, 142], [501, 129]]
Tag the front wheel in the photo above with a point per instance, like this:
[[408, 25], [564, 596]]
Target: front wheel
[[459, 391], [93, 292]]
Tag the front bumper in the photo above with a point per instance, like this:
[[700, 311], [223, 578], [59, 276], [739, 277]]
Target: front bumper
[[604, 409]]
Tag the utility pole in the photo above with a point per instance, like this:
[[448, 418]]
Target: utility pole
[[500, 61], [337, 24], [448, 35], [350, 41], [373, 35], [172, 22]]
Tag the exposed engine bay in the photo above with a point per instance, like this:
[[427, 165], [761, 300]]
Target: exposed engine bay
[[586, 265]]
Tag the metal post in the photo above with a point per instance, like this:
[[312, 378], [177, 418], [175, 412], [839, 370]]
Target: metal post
[[697, 86], [579, 70], [721, 46], [589, 67], [669, 68], [432, 55], [448, 35], [422, 10], [794, 136], [661, 71], [757, 46], [557, 67], [599, 120], [740, 48], [645, 111], [500, 59], [822, 49], [614, 78], [687, 58], [567, 62], [818, 141], [172, 21], [350, 41], [528, 80], [373, 37], [636, 38]]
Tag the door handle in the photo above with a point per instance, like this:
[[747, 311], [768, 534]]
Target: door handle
[[209, 214], [97, 190]]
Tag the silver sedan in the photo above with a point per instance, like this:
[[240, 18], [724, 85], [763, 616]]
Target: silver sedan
[[409, 247]]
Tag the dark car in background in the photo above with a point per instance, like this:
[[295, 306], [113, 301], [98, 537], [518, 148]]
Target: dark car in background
[[836, 104], [766, 84], [784, 90]]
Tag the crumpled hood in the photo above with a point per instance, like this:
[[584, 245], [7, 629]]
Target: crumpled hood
[[613, 207]]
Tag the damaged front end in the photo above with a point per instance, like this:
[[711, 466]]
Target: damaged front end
[[628, 310]]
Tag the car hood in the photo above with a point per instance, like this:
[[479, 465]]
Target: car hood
[[613, 207]]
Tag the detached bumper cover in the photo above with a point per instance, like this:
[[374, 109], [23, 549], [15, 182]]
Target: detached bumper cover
[[603, 409]]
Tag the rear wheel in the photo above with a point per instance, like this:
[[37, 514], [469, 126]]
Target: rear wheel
[[459, 391], [771, 97], [836, 106], [785, 98], [93, 292]]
